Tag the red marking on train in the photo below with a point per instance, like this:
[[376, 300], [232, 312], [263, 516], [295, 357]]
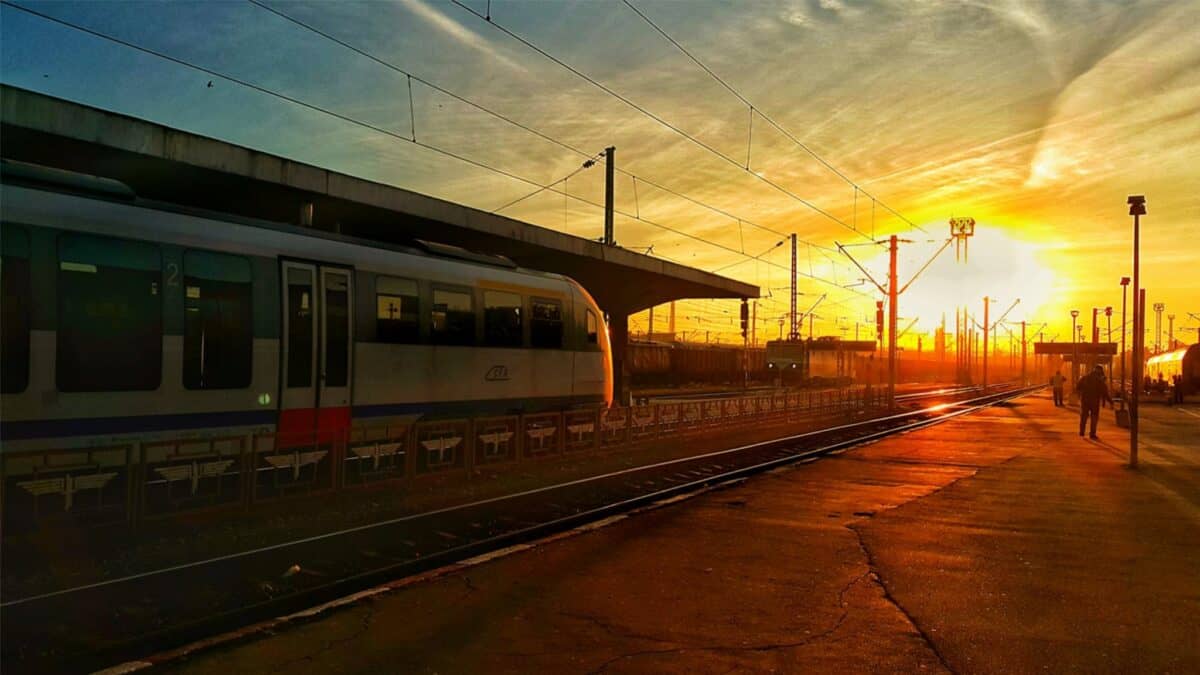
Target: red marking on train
[[305, 426], [333, 421]]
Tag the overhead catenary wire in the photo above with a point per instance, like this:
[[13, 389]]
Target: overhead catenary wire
[[504, 118], [360, 123], [768, 119], [351, 120], [586, 165], [657, 118]]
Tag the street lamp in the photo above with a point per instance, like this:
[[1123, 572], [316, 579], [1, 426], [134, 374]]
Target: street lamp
[[1158, 327], [1137, 209], [1074, 349], [1108, 315], [1124, 356]]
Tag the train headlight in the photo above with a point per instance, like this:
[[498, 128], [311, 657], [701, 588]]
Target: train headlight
[[264, 399]]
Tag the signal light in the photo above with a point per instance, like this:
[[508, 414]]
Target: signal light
[[745, 318], [879, 319]]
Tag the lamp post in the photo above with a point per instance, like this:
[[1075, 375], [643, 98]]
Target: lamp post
[[1108, 315], [1158, 310], [1170, 332], [1074, 350], [1124, 356], [1137, 209]]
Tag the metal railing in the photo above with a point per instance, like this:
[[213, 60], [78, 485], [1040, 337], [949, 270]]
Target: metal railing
[[135, 482]]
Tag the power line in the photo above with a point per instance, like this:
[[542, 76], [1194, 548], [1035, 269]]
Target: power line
[[756, 110], [696, 141], [351, 120], [509, 120], [589, 163], [371, 127]]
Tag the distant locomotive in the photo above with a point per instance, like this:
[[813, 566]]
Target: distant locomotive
[[1184, 361], [126, 320], [826, 359]]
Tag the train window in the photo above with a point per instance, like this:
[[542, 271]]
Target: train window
[[593, 328], [109, 335], [337, 329], [218, 339], [546, 324], [453, 318], [396, 316], [299, 327], [502, 319], [14, 325]]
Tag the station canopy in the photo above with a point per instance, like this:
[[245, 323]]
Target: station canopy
[[164, 164]]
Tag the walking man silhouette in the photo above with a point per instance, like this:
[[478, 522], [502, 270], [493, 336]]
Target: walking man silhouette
[[1092, 392]]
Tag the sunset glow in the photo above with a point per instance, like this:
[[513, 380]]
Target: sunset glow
[[1035, 118]]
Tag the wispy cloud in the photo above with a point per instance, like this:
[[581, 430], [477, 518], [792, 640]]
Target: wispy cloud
[[459, 33]]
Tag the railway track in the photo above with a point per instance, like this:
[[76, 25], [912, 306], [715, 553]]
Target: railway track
[[98, 624]]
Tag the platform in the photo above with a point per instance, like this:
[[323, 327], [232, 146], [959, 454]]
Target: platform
[[1000, 542]]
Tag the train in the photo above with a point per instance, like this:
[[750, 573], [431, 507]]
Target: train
[[127, 320], [674, 363], [1184, 361], [826, 359]]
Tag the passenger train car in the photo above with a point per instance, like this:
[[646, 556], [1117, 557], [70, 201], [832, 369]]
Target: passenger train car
[[1184, 361], [130, 320]]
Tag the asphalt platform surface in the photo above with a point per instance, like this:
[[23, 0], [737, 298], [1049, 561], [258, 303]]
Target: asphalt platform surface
[[1000, 542]]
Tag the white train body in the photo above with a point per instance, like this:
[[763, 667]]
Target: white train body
[[341, 334]]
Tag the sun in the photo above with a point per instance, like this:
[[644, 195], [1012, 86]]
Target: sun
[[998, 264]]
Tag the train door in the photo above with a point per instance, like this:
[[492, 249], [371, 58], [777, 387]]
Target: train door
[[317, 351]]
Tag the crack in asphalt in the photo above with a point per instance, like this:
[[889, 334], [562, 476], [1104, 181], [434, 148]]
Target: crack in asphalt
[[854, 526]]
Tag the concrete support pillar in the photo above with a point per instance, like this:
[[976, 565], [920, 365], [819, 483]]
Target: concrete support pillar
[[618, 330]]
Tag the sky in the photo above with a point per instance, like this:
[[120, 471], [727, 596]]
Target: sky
[[1036, 119]]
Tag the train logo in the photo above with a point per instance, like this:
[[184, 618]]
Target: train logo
[[67, 486], [296, 460], [194, 471], [376, 451], [540, 437], [497, 374], [495, 441], [581, 431]]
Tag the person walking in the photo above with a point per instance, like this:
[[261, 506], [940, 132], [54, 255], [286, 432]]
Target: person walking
[[1057, 381], [1093, 390], [1177, 390]]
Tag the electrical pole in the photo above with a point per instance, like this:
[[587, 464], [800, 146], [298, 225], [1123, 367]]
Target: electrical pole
[[1024, 355], [1170, 332], [609, 162], [893, 291], [986, 302], [893, 295], [754, 324], [794, 333]]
